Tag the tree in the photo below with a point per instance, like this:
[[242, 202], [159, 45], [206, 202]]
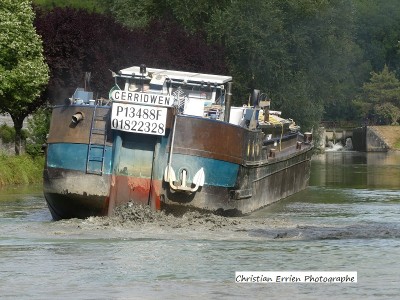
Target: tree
[[330, 60], [378, 27], [23, 71], [302, 53], [78, 41], [191, 15], [387, 114], [254, 35], [195, 15], [133, 13], [379, 101], [90, 5], [38, 128]]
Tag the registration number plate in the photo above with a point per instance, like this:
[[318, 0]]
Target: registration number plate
[[143, 119]]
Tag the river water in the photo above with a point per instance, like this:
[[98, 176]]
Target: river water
[[347, 220]]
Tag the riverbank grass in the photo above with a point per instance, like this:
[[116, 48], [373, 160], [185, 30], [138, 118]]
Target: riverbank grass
[[396, 145], [21, 169]]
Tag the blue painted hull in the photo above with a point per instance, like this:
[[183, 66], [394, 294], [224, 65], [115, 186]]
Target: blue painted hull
[[73, 157], [83, 178]]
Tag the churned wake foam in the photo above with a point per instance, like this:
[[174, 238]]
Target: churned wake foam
[[132, 217], [137, 218]]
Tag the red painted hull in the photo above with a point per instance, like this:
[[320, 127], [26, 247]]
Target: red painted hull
[[240, 174]]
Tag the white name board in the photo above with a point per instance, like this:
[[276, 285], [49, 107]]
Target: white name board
[[142, 98], [139, 118]]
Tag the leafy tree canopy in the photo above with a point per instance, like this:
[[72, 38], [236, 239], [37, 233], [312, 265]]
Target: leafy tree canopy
[[311, 56], [133, 13], [90, 5], [379, 102], [191, 15], [23, 72], [38, 128], [78, 41], [378, 32], [302, 53]]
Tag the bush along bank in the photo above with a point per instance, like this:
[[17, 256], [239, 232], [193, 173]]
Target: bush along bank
[[21, 169]]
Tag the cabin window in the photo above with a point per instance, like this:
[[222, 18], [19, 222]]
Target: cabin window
[[132, 87], [137, 85]]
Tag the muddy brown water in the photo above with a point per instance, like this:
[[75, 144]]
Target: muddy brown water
[[347, 220]]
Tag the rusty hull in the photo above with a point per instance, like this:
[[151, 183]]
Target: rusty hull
[[240, 175], [74, 194]]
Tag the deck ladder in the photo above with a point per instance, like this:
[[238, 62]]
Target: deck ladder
[[97, 143]]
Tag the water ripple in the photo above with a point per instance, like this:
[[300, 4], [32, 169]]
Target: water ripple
[[313, 232]]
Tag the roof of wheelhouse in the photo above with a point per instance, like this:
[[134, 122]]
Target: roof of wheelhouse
[[176, 75]]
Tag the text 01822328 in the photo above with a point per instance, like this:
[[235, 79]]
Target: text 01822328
[[143, 119]]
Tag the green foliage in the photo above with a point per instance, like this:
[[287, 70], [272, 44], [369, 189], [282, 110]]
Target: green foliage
[[195, 15], [7, 134], [383, 87], [253, 33], [69, 35], [302, 53], [397, 144], [38, 128], [192, 15], [20, 169], [378, 32], [90, 5], [311, 56], [132, 13], [387, 113], [379, 101], [23, 71], [331, 59]]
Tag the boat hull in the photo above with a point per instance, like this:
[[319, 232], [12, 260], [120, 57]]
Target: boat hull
[[77, 201], [241, 172], [75, 194], [256, 187]]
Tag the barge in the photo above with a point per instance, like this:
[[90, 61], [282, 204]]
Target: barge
[[171, 140]]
